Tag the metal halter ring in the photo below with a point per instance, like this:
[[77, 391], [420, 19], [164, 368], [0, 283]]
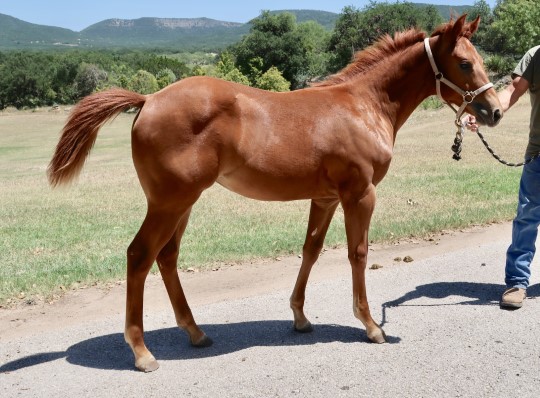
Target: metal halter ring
[[468, 97]]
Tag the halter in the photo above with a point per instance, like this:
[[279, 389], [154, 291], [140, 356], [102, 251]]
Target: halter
[[468, 96]]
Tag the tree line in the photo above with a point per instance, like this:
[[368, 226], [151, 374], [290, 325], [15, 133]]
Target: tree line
[[31, 78], [278, 54]]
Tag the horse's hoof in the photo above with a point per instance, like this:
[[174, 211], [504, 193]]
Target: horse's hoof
[[377, 336], [147, 364], [305, 328], [204, 341]]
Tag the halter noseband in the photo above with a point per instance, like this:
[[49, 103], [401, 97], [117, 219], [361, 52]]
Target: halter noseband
[[468, 96]]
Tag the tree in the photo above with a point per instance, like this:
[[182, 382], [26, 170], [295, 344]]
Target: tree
[[24, 80], [226, 70], [516, 26], [35, 78], [355, 30], [278, 41], [236, 76], [273, 80], [481, 9], [165, 77], [88, 79], [153, 63], [120, 75], [315, 39], [143, 82], [198, 70], [225, 63], [345, 40]]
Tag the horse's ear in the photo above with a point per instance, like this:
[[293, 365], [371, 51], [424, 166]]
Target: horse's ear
[[473, 26], [457, 29]]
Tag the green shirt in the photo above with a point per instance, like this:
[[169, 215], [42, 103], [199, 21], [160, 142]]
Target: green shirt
[[529, 69]]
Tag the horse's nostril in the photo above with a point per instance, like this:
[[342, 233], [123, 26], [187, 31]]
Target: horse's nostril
[[497, 115]]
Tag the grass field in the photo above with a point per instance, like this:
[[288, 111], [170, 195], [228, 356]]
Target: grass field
[[56, 240]]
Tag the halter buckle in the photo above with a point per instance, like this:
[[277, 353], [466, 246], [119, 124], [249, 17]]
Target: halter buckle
[[468, 97]]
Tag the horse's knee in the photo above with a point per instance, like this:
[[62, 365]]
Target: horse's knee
[[138, 258], [358, 256]]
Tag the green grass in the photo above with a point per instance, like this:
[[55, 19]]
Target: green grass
[[431, 103], [51, 240]]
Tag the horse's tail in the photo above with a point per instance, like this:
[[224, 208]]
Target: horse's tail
[[81, 129]]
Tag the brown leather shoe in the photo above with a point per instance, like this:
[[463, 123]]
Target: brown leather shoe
[[513, 297]]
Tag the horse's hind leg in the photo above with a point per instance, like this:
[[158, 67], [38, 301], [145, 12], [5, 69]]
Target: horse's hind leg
[[320, 215], [157, 228], [167, 263]]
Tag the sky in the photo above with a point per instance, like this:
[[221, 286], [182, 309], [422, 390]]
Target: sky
[[77, 15]]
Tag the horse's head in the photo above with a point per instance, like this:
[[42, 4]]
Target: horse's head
[[460, 64]]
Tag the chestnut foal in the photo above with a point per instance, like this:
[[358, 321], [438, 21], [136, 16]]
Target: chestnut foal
[[331, 143]]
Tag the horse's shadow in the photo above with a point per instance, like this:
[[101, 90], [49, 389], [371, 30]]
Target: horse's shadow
[[111, 351], [474, 294]]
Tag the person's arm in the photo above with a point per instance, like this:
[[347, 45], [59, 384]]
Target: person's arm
[[513, 92]]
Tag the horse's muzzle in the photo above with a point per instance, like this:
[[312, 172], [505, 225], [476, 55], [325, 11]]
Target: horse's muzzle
[[487, 116]]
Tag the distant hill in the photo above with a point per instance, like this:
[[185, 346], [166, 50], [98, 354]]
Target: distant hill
[[446, 10], [178, 33], [182, 34], [163, 32], [15, 33], [324, 18]]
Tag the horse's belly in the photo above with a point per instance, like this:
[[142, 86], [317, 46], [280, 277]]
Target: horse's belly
[[270, 188]]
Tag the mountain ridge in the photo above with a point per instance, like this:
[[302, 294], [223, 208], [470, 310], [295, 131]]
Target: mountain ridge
[[151, 32]]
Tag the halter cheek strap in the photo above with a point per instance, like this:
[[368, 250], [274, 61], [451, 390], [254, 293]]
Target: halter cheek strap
[[468, 96]]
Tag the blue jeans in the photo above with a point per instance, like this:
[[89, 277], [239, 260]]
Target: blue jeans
[[524, 228]]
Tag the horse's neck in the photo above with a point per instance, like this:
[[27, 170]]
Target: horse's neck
[[402, 83]]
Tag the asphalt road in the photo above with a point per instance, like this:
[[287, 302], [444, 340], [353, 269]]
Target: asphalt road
[[447, 337]]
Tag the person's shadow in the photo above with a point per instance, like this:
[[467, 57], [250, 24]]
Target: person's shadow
[[112, 352], [473, 293]]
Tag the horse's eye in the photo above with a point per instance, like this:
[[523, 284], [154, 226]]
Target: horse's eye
[[465, 65]]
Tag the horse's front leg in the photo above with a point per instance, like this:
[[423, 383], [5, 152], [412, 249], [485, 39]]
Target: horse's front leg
[[358, 208]]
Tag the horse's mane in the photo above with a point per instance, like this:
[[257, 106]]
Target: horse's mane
[[386, 46]]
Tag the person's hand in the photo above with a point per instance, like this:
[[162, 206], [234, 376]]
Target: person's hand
[[469, 122]]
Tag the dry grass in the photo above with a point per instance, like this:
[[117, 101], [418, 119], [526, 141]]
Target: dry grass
[[51, 240]]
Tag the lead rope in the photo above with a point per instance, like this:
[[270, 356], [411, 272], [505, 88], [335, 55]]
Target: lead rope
[[468, 97], [458, 141]]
